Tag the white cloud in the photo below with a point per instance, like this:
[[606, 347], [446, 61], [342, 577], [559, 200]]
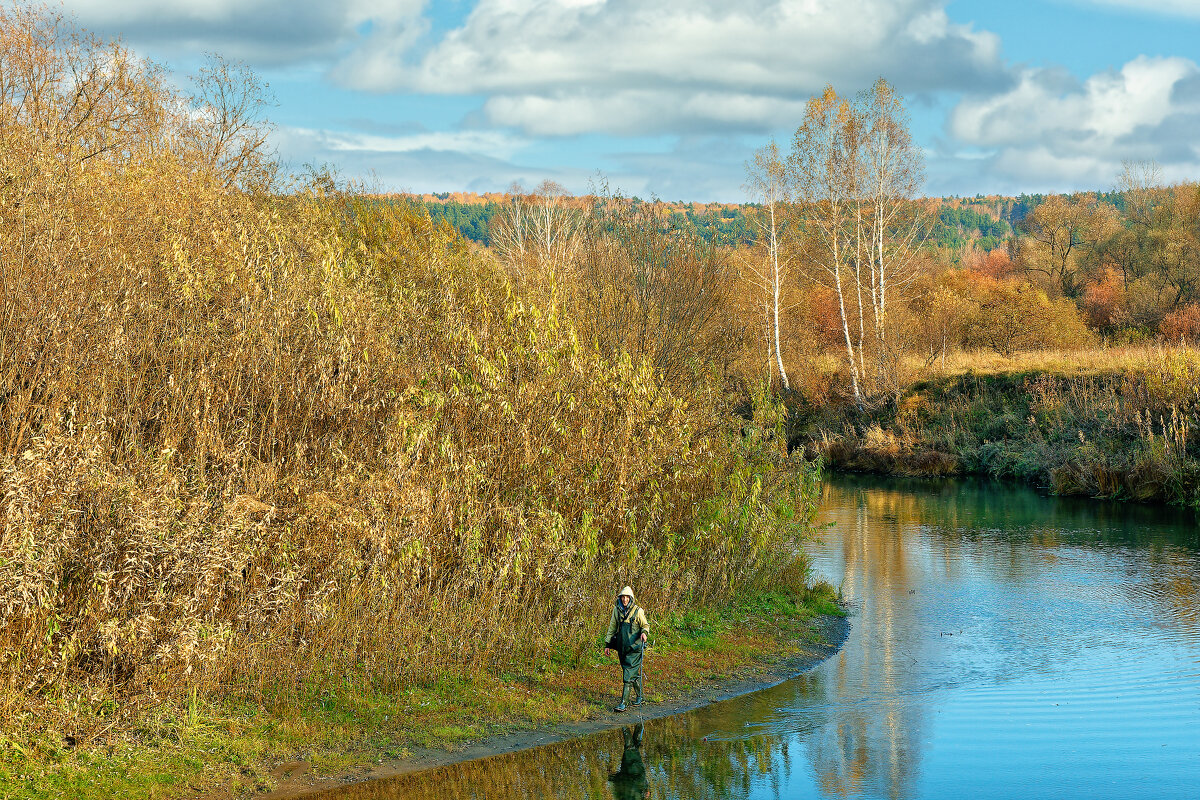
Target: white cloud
[[644, 66], [137, 10], [636, 111], [566, 67], [1052, 131], [494, 144], [1106, 106], [430, 161], [709, 74]]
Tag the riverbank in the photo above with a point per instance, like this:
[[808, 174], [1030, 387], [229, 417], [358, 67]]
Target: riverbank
[[760, 665], [1120, 425], [231, 750]]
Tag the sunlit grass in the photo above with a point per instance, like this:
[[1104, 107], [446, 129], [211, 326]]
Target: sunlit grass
[[1132, 358]]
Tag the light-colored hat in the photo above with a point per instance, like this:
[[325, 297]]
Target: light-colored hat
[[626, 592]]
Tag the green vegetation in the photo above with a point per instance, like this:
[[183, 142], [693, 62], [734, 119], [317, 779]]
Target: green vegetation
[[471, 220], [719, 225], [953, 230], [956, 228]]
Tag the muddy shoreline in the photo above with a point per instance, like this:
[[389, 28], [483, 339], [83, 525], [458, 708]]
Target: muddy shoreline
[[296, 781]]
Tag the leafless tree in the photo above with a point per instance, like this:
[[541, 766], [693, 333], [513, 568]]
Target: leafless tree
[[230, 126], [537, 234]]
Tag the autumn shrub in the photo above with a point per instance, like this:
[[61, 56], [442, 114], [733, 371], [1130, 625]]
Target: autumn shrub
[[1009, 316], [1103, 302], [1182, 325], [995, 264], [404, 465], [646, 285]]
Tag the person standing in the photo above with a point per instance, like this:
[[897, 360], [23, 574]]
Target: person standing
[[627, 632]]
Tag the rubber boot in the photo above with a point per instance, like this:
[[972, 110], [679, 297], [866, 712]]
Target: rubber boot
[[624, 697], [637, 686]]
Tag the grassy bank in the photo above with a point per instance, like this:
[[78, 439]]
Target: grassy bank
[[1105, 423], [183, 747]]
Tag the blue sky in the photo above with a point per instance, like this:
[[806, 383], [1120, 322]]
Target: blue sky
[[669, 99]]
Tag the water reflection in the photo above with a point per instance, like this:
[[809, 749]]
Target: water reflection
[[1003, 643], [672, 757], [629, 782]]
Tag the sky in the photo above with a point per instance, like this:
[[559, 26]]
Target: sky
[[669, 99]]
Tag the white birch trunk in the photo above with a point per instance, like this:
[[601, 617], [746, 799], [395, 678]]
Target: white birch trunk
[[775, 293], [837, 280], [862, 363]]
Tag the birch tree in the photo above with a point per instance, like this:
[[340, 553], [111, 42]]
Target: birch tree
[[767, 182], [821, 169], [539, 230], [854, 173], [893, 171], [510, 228]]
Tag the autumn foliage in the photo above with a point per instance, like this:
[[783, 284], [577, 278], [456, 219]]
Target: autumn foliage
[[1183, 324]]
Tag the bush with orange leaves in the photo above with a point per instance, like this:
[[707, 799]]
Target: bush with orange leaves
[[1182, 325], [972, 310], [1104, 302]]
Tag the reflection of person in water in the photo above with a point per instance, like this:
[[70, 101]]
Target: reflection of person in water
[[629, 782]]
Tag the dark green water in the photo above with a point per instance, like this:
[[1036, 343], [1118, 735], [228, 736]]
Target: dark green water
[[1003, 645]]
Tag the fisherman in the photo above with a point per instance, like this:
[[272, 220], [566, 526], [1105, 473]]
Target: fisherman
[[627, 631]]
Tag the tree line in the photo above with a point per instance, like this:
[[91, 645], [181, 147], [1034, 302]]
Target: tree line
[[841, 257], [724, 226], [956, 225]]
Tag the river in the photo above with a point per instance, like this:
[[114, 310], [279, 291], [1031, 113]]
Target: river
[[1003, 644]]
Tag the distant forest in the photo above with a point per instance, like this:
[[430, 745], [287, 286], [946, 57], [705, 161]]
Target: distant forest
[[986, 222]]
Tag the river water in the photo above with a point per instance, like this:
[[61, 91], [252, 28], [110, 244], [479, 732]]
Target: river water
[[1003, 644]]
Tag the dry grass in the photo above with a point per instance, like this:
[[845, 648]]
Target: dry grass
[[1131, 358]]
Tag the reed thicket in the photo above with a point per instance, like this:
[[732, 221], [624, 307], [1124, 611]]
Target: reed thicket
[[257, 439]]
